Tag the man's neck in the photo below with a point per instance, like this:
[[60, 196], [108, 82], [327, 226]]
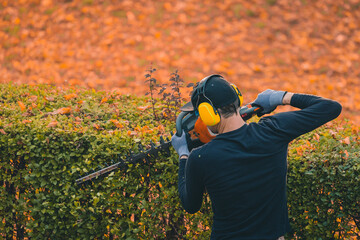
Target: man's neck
[[231, 123], [228, 124]]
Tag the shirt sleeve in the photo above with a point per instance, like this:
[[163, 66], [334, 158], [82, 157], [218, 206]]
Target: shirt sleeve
[[315, 111], [190, 184]]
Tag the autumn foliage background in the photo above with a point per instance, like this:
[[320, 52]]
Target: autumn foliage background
[[298, 45], [50, 135]]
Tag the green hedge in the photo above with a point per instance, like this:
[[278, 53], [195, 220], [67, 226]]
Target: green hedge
[[49, 137], [324, 183]]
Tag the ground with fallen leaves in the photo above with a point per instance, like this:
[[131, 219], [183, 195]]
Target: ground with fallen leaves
[[294, 45]]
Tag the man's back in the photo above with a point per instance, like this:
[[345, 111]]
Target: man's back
[[244, 172]]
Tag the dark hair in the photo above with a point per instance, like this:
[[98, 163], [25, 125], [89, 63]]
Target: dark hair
[[228, 110]]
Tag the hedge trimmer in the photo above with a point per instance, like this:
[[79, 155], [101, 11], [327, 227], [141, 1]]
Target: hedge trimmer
[[196, 132]]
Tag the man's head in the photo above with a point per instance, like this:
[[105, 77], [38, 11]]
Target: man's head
[[214, 95]]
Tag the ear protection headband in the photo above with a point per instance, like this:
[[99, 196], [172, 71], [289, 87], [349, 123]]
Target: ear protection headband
[[208, 113]]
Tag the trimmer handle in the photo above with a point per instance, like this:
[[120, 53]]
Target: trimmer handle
[[179, 119], [249, 111]]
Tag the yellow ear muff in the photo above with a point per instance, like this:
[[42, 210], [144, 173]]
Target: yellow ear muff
[[239, 94], [208, 114]]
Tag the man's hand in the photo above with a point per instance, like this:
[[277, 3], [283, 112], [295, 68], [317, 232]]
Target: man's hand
[[269, 100], [180, 144]]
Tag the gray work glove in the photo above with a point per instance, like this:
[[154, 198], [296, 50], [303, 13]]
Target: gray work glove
[[180, 144], [269, 100]]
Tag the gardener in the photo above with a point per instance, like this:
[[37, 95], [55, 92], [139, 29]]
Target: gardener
[[244, 167]]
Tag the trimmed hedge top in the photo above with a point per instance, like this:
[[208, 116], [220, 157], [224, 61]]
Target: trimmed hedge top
[[78, 110]]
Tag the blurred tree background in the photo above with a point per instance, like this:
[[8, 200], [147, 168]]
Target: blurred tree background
[[294, 45]]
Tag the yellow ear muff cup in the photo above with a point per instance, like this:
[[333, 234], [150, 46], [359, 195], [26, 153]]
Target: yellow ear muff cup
[[208, 115], [238, 93]]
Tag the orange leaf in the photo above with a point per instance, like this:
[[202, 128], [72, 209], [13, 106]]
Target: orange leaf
[[168, 6], [70, 18], [64, 110], [116, 123], [158, 35], [17, 21], [26, 121], [316, 136], [144, 128], [161, 128], [22, 106], [299, 151], [99, 63], [70, 96], [104, 100], [131, 133], [64, 66], [2, 131], [346, 140], [52, 124], [257, 69], [50, 99], [143, 108], [33, 98], [131, 16], [332, 133]]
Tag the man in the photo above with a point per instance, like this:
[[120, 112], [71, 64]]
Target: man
[[244, 167]]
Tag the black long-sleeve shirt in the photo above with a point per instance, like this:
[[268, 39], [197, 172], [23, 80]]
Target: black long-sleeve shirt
[[244, 171]]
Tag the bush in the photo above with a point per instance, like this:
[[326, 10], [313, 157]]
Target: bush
[[324, 183], [50, 137]]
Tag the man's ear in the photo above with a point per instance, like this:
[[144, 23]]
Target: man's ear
[[214, 129]]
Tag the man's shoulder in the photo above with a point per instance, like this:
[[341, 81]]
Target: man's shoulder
[[202, 152], [199, 150], [271, 122]]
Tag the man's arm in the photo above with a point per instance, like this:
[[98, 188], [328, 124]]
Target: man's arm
[[315, 111], [190, 185]]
